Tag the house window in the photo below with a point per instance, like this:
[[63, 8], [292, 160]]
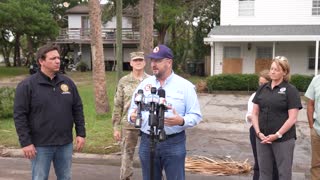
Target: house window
[[311, 58], [264, 53], [316, 7], [85, 23], [231, 52], [246, 7]]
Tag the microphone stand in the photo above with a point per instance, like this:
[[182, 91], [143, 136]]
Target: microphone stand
[[153, 122], [156, 120]]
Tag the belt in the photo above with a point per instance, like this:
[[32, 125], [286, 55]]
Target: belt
[[168, 136]]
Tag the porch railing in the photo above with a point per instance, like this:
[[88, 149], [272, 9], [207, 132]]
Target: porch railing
[[108, 34]]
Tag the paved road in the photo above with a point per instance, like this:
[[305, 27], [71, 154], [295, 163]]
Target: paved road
[[222, 133]]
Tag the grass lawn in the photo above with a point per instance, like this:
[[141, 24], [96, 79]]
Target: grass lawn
[[99, 127], [6, 72]]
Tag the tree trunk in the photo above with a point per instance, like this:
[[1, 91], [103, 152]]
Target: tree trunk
[[119, 39], [16, 57], [6, 55], [30, 55], [98, 70], [146, 29]]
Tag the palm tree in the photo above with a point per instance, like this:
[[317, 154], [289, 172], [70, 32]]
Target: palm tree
[[98, 70], [146, 28]]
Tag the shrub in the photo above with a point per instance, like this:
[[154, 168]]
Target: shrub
[[233, 82], [301, 82], [82, 66], [6, 103], [249, 82]]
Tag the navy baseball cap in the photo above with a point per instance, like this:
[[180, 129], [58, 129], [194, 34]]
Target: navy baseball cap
[[161, 52]]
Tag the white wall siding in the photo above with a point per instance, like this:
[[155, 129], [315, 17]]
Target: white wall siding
[[109, 54], [270, 12], [126, 23], [296, 52], [74, 21], [218, 56]]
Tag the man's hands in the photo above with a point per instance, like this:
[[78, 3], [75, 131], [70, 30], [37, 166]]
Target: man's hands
[[117, 135], [29, 151], [174, 120], [80, 141], [133, 116]]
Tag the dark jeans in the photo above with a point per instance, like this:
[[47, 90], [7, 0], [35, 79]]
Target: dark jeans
[[169, 155], [256, 166]]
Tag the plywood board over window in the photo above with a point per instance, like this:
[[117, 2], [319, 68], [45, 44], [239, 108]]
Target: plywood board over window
[[232, 65], [232, 62], [264, 59], [262, 64]]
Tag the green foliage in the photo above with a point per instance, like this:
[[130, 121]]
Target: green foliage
[[6, 103], [82, 66], [301, 82], [249, 82], [233, 82]]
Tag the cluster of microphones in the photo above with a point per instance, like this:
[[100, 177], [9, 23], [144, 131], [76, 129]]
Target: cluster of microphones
[[156, 104]]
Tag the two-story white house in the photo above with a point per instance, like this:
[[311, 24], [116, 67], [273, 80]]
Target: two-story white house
[[75, 40], [252, 32]]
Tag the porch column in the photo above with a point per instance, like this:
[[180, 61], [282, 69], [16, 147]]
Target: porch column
[[273, 50], [212, 59], [316, 59]]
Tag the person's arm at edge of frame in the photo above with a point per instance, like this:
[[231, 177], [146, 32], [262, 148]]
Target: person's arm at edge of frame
[[79, 121], [117, 112], [21, 109], [248, 117], [310, 111], [310, 95]]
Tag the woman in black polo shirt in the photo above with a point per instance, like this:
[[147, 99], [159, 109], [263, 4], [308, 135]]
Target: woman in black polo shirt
[[274, 114]]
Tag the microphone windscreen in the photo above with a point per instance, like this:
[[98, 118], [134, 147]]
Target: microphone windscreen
[[153, 90], [161, 93]]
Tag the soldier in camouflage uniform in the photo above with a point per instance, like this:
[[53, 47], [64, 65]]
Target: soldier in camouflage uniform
[[122, 99]]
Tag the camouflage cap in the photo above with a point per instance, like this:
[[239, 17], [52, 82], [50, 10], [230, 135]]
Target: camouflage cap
[[137, 55]]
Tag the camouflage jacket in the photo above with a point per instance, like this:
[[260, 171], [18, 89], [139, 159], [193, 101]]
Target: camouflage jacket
[[122, 99]]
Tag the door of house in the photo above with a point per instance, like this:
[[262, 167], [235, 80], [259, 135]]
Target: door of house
[[263, 59], [232, 62]]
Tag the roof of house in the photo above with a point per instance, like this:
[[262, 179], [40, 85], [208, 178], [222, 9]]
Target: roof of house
[[79, 9], [264, 33]]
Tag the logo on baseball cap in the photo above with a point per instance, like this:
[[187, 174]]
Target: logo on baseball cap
[[161, 52]]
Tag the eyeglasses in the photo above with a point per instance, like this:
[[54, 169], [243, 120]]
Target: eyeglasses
[[281, 58], [136, 60]]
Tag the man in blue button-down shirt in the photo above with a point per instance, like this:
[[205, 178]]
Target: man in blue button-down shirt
[[180, 93]]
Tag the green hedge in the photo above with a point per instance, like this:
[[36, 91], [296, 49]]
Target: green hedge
[[6, 102], [249, 82], [301, 81], [232, 82]]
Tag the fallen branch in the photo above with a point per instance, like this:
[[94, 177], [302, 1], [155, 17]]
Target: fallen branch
[[205, 165]]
